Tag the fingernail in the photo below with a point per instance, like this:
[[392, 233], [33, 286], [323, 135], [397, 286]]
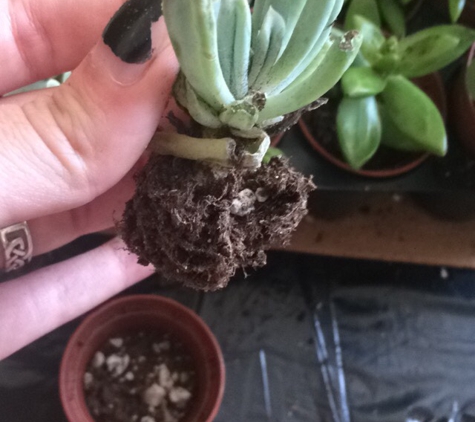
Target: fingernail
[[129, 32]]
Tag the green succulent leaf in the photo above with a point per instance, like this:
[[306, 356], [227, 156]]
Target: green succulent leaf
[[373, 38], [313, 55], [359, 129], [362, 82], [434, 48], [455, 9], [234, 17], [290, 15], [365, 8], [394, 137], [393, 15], [305, 91], [414, 114], [192, 29], [267, 46], [198, 109], [240, 115], [313, 20]]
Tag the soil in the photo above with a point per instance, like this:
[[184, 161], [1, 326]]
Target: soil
[[141, 377], [198, 224], [322, 124]]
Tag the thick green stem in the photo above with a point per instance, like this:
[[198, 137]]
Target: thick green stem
[[220, 151]]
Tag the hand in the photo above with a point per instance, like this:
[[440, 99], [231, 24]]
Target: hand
[[67, 154]]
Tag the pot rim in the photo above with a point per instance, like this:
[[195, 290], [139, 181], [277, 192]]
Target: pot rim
[[90, 325]]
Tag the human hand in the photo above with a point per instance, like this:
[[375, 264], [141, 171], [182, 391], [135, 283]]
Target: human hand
[[67, 154]]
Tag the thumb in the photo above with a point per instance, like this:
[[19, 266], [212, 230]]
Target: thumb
[[80, 139]]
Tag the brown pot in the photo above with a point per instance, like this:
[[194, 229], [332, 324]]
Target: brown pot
[[462, 112], [433, 86], [142, 312]]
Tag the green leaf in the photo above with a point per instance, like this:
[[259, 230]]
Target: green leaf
[[373, 39], [313, 20], [193, 33], [300, 94], [313, 55], [359, 129], [455, 9], [198, 109], [234, 17], [434, 48], [393, 15], [414, 114], [267, 47], [368, 9], [361, 82], [393, 137], [290, 15]]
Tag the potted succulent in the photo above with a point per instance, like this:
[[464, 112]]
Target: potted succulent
[[383, 122], [142, 358], [205, 205]]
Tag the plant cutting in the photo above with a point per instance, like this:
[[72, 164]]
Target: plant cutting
[[379, 105], [206, 204]]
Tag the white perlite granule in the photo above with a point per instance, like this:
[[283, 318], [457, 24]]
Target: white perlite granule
[[117, 364], [154, 395]]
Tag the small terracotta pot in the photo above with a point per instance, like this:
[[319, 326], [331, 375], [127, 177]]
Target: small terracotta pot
[[462, 112], [433, 86], [142, 312]]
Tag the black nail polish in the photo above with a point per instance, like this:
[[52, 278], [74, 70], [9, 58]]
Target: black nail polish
[[129, 32]]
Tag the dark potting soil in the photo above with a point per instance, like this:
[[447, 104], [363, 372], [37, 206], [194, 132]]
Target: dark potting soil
[[321, 123], [141, 377], [197, 224]]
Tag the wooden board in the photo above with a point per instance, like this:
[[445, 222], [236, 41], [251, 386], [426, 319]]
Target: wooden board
[[391, 229]]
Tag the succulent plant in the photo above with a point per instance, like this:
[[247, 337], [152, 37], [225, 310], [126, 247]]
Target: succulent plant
[[242, 72], [381, 105], [204, 205]]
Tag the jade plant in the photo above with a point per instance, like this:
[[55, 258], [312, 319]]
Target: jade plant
[[381, 105], [206, 204]]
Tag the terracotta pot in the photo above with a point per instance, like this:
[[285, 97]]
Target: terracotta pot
[[433, 86], [142, 312], [462, 111]]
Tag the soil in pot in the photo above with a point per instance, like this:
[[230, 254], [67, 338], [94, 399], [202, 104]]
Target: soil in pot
[[140, 377], [319, 128]]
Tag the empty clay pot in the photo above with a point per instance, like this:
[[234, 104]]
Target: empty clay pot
[[139, 313]]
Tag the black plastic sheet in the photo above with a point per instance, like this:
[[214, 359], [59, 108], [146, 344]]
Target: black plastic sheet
[[308, 339]]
